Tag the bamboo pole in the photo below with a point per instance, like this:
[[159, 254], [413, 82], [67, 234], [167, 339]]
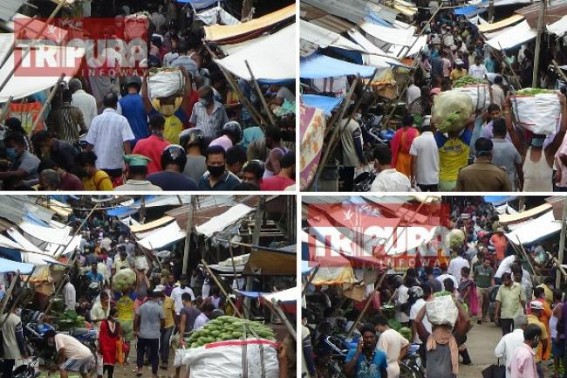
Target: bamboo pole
[[557, 68], [233, 266], [255, 114], [278, 311], [540, 27], [260, 94], [72, 262], [28, 49], [188, 232], [18, 299], [377, 284], [6, 109], [49, 99], [221, 288], [309, 280]]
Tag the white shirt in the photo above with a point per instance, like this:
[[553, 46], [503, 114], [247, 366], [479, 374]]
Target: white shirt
[[455, 267], [390, 180], [402, 296], [413, 93], [87, 104], [176, 294], [478, 72], [200, 321], [425, 149], [506, 347], [505, 266], [70, 295], [391, 342], [415, 309], [107, 134]]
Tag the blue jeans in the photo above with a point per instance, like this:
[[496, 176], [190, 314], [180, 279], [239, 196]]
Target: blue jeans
[[164, 344]]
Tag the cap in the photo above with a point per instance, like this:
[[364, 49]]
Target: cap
[[459, 62], [500, 229], [536, 305], [135, 160], [159, 288]]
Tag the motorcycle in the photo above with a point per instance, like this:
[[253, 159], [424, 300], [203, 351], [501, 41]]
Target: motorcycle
[[372, 133], [34, 333], [337, 350], [411, 366], [26, 370], [363, 182]]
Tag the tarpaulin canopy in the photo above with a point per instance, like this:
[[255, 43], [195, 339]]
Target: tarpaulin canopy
[[25, 244], [218, 33], [368, 46], [321, 66], [46, 234], [499, 200], [238, 263], [163, 237], [221, 222], [324, 38], [213, 15], [8, 266], [284, 296], [513, 37], [307, 267], [325, 103], [334, 276], [558, 28], [312, 125], [21, 84], [525, 215], [393, 36], [470, 10], [200, 4], [270, 262], [488, 28], [272, 58], [535, 230], [138, 228], [38, 259]]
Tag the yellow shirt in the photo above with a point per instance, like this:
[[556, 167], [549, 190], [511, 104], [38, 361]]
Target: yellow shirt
[[511, 299], [453, 154], [457, 74], [532, 319], [168, 305], [100, 181], [125, 308]]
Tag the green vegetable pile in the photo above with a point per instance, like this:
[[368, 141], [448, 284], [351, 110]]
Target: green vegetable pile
[[70, 319], [534, 91], [228, 328], [406, 332], [123, 280], [468, 80]]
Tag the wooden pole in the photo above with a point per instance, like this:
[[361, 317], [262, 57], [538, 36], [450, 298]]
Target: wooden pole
[[540, 27], [309, 280], [49, 99], [8, 294], [214, 277], [378, 284], [561, 253], [19, 298], [260, 94], [233, 266], [188, 232], [255, 114], [17, 65], [72, 262], [278, 311], [6, 109], [557, 68]]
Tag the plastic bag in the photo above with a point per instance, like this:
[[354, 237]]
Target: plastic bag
[[442, 310], [123, 280], [224, 359], [537, 113], [455, 239], [165, 83], [479, 94], [180, 354], [451, 111]]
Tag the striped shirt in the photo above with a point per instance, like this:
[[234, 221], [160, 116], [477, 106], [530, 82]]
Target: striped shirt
[[212, 123]]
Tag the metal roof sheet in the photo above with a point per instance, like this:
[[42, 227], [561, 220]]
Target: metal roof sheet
[[9, 8]]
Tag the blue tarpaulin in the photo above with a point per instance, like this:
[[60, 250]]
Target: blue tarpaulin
[[499, 200], [320, 66], [469, 11], [375, 19], [123, 211], [325, 103], [7, 266]]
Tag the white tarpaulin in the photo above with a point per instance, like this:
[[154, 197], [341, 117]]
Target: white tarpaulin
[[8, 243], [221, 222], [46, 234], [535, 229], [289, 295], [392, 36], [558, 28], [21, 240], [365, 43], [212, 16], [58, 249], [513, 37], [21, 84], [236, 47], [325, 38], [38, 259], [163, 236], [273, 58]]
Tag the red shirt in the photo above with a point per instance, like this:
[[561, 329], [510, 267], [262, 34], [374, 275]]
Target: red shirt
[[151, 147], [276, 183]]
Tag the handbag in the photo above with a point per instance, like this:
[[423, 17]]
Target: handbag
[[120, 351], [494, 371]]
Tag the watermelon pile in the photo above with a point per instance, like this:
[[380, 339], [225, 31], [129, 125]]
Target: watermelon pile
[[228, 328]]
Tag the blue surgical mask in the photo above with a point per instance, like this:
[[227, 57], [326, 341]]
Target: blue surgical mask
[[11, 153]]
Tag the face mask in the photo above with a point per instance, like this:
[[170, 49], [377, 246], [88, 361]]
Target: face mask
[[204, 101], [11, 153], [216, 170], [537, 142]]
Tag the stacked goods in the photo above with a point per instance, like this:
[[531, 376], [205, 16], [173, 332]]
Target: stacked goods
[[442, 309], [537, 110], [222, 346], [451, 111], [70, 319], [477, 89], [165, 82], [123, 280]]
